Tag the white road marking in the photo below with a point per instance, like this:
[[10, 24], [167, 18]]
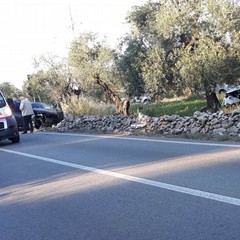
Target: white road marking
[[175, 188], [145, 139]]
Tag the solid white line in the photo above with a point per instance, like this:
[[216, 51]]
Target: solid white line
[[145, 139], [175, 188]]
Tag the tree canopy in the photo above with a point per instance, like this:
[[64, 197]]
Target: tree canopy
[[95, 70], [173, 45], [10, 91], [188, 44]]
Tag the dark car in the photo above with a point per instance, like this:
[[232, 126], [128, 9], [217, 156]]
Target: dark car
[[8, 123], [44, 114]]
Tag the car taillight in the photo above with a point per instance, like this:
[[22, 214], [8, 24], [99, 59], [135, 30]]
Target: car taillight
[[5, 112]]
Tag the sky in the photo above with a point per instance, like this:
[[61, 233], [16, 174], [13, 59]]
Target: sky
[[30, 28]]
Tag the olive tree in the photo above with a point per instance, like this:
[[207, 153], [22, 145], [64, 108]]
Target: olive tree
[[94, 69], [53, 81], [9, 90], [188, 44]]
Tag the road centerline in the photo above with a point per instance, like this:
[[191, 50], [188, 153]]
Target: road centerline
[[162, 185]]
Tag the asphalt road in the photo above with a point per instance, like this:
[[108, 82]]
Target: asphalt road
[[101, 187]]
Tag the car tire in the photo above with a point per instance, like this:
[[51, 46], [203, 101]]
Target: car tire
[[234, 105], [146, 101], [15, 139], [222, 91], [37, 124]]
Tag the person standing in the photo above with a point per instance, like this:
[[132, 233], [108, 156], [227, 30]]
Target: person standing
[[27, 112]]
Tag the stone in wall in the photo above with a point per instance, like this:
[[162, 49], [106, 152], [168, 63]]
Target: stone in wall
[[213, 124]]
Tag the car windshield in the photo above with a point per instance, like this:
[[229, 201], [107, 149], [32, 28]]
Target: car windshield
[[2, 101], [41, 105]]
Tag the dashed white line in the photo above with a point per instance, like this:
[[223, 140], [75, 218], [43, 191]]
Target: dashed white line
[[175, 188]]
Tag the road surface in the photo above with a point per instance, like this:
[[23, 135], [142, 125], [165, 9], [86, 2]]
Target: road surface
[[102, 187]]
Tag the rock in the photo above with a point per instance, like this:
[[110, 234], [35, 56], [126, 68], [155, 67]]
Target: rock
[[233, 129], [138, 125], [203, 123], [219, 131], [235, 112], [195, 130], [110, 129]]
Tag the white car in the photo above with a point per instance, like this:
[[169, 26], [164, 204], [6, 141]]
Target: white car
[[141, 99], [230, 100], [222, 88], [232, 96]]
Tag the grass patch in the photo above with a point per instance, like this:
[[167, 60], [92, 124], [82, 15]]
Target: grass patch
[[181, 108]]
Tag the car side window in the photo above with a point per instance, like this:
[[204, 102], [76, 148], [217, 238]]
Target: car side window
[[35, 105], [2, 101]]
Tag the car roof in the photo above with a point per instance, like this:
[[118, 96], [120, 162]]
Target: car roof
[[234, 89]]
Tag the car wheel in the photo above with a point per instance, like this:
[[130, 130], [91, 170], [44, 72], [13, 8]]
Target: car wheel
[[234, 105], [37, 124], [222, 91], [15, 139], [146, 101]]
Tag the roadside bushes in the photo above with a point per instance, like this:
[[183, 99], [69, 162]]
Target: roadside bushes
[[87, 106]]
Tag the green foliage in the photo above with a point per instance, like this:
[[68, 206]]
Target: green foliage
[[141, 17], [53, 81], [202, 68], [191, 44], [9, 90], [35, 89], [90, 57], [129, 66], [172, 46], [160, 74]]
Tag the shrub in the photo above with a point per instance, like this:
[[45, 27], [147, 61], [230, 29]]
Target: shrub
[[86, 106]]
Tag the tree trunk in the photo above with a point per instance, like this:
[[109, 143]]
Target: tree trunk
[[213, 103], [122, 106]]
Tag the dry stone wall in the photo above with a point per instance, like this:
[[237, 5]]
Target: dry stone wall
[[201, 123]]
